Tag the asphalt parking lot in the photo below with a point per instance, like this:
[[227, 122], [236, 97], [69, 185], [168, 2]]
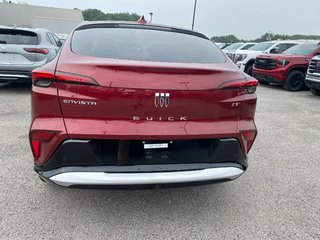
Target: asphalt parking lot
[[277, 198]]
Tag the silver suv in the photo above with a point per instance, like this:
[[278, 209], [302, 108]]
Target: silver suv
[[24, 49]]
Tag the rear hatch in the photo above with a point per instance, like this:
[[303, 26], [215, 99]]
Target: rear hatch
[[172, 84], [15, 46]]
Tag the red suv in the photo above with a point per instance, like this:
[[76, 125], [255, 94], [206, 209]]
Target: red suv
[[287, 69], [140, 104]]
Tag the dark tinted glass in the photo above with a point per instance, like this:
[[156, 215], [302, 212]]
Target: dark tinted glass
[[248, 46], [145, 45], [303, 49], [18, 37]]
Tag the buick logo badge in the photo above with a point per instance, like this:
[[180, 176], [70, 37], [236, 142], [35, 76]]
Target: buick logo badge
[[161, 100], [318, 64]]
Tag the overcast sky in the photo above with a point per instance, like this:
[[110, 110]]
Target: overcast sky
[[244, 18]]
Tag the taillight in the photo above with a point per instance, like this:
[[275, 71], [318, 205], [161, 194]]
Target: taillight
[[249, 136], [250, 85], [74, 78], [42, 77], [37, 138], [37, 50]]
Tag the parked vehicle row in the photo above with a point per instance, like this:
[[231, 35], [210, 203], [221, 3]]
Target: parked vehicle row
[[24, 49], [245, 59], [313, 75], [279, 62], [288, 69]]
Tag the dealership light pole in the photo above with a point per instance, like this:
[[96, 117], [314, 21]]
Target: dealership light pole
[[151, 15], [194, 13]]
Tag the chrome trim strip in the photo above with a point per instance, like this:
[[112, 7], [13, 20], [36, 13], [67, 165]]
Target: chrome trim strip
[[313, 79], [14, 76], [101, 178]]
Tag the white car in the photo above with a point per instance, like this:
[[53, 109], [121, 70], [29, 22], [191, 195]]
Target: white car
[[245, 59], [230, 50]]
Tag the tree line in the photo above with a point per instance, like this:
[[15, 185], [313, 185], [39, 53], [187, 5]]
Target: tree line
[[265, 37], [98, 15]]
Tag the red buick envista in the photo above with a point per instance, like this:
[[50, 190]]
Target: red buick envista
[[140, 104]]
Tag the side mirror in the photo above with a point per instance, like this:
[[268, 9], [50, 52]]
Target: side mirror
[[274, 50]]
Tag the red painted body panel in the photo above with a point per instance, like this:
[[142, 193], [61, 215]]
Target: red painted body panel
[[122, 106]]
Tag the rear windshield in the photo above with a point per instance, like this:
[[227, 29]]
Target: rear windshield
[[18, 37], [145, 45], [302, 49], [262, 46]]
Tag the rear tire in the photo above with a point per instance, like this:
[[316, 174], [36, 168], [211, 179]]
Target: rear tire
[[249, 69], [295, 81], [315, 91]]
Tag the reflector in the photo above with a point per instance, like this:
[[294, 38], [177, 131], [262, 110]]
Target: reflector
[[42, 136], [37, 50], [35, 148]]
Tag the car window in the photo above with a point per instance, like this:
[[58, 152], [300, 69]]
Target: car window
[[18, 37], [142, 44], [52, 41], [56, 39], [284, 46], [247, 46], [262, 46], [302, 49], [234, 46]]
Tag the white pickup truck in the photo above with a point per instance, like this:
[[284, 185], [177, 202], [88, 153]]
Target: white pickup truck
[[245, 59], [231, 49], [313, 76]]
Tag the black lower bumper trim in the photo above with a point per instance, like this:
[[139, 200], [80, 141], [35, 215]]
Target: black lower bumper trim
[[267, 79], [133, 156]]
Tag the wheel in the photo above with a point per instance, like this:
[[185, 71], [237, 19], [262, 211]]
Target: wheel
[[248, 69], [315, 91], [295, 81], [263, 82]]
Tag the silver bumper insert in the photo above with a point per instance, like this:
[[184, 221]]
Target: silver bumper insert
[[101, 178], [13, 76], [313, 78]]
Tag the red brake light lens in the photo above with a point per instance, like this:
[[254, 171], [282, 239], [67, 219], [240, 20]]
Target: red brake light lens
[[42, 136], [233, 84], [38, 137], [74, 78], [42, 77], [250, 85], [249, 137], [37, 50], [35, 148]]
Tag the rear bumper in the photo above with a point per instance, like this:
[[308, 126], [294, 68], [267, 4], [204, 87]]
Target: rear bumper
[[107, 162], [67, 178], [6, 76]]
